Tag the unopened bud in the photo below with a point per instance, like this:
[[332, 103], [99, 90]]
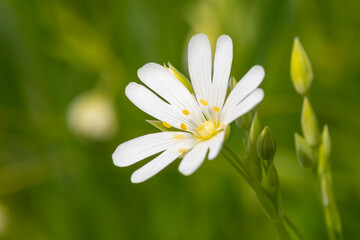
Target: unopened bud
[[324, 151], [266, 146], [179, 76], [304, 152], [254, 133], [309, 124], [326, 141], [232, 83], [300, 68]]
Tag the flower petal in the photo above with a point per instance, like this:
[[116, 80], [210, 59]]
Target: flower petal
[[151, 104], [199, 60], [245, 106], [216, 144], [222, 67], [145, 146], [194, 158], [167, 86], [160, 162], [245, 86]]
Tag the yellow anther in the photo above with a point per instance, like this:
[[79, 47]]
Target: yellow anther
[[207, 130], [166, 124], [186, 112], [178, 136], [183, 126], [216, 109], [183, 150], [202, 101]]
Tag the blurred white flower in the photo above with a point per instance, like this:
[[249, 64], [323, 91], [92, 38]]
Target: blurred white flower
[[92, 115], [200, 120]]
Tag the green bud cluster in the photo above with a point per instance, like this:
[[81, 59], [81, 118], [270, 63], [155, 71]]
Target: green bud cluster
[[260, 151], [313, 149]]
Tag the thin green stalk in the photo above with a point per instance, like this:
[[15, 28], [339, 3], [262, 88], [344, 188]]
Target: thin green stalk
[[236, 162], [294, 228], [282, 230], [331, 214]]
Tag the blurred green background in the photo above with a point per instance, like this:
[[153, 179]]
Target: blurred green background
[[63, 62]]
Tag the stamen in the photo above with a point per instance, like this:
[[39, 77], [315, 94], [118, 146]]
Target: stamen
[[183, 126], [186, 112], [203, 102], [216, 109], [178, 136], [166, 124]]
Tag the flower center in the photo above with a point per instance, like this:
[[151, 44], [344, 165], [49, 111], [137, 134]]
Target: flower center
[[207, 130]]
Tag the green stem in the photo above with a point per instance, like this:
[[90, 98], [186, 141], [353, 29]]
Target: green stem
[[282, 230], [239, 166], [332, 217], [294, 228]]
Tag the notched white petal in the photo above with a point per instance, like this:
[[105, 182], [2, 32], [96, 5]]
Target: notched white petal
[[245, 106], [245, 86], [200, 66], [222, 67], [139, 148], [155, 166], [193, 159], [216, 144]]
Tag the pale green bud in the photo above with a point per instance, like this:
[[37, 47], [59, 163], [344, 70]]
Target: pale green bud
[[326, 141], [232, 83], [179, 76], [254, 133], [309, 124], [304, 152], [266, 146], [300, 69], [324, 150]]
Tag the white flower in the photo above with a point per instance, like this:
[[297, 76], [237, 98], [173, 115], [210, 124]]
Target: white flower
[[201, 120], [92, 115]]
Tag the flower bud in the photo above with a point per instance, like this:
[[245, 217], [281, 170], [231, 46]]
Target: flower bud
[[309, 124], [227, 132], [300, 69], [254, 133], [266, 146], [232, 83], [324, 151], [179, 76], [304, 152], [326, 141]]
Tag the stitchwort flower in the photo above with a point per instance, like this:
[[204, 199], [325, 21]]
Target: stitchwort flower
[[196, 121]]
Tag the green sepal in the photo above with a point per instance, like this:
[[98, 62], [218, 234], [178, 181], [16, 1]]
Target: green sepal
[[309, 124], [304, 152], [158, 124], [254, 133]]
